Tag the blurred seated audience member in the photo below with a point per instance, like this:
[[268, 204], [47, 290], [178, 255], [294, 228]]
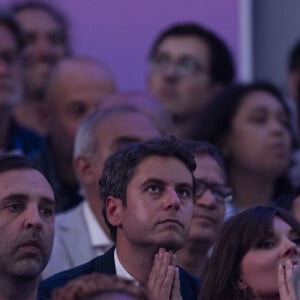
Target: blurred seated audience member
[[146, 104], [98, 137], [76, 88], [254, 258], [27, 205], [212, 194], [148, 190], [14, 138], [250, 125], [188, 64], [46, 41], [99, 286]]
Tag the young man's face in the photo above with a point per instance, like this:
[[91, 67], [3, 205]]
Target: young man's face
[[159, 205], [27, 208], [180, 74]]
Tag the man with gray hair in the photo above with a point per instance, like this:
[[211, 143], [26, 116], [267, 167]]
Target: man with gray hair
[[85, 223]]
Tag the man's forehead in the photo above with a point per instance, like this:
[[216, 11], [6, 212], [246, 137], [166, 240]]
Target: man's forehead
[[25, 181], [31, 18], [163, 167]]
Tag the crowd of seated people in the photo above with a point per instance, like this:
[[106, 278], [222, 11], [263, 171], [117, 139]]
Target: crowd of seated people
[[186, 190]]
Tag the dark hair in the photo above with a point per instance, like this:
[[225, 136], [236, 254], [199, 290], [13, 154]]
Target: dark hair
[[286, 201], [221, 62], [224, 107], [51, 11], [120, 167], [9, 162], [10, 23], [238, 235], [206, 148], [294, 58]]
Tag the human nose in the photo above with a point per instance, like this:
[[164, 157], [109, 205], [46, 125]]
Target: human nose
[[289, 248], [32, 218], [171, 199], [207, 199]]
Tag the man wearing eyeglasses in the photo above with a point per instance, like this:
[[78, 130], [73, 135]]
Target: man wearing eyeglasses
[[212, 195], [188, 64]]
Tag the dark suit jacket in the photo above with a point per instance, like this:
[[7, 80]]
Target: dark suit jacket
[[189, 285]]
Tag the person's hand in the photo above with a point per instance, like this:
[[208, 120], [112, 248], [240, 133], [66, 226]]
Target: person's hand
[[163, 282], [286, 280]]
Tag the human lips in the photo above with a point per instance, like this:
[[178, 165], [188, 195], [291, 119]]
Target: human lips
[[30, 246], [170, 221], [205, 217]]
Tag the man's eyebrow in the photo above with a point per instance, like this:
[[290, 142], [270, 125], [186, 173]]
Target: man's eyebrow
[[153, 181], [16, 196]]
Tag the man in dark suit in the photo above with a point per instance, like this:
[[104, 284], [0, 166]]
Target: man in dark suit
[[148, 189]]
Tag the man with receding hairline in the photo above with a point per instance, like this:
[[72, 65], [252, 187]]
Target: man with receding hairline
[[76, 88], [27, 206]]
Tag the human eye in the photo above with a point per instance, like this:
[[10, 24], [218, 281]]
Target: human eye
[[265, 244], [77, 110], [154, 188], [47, 212], [56, 38], [160, 60], [184, 192], [188, 65], [15, 207]]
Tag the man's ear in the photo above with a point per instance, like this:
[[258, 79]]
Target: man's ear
[[114, 210], [84, 170]]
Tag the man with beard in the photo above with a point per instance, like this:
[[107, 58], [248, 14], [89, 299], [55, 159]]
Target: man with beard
[[148, 192], [46, 42], [27, 206], [13, 137]]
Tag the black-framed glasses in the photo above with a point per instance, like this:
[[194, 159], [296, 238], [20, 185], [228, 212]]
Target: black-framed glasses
[[221, 192], [184, 66]]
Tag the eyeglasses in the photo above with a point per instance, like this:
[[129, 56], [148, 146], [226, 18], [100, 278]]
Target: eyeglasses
[[185, 66], [221, 192]]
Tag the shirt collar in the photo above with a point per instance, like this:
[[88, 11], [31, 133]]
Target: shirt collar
[[97, 235], [120, 270]]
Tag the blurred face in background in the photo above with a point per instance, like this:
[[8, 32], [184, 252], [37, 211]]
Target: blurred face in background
[[45, 45], [259, 139], [180, 74], [209, 204], [10, 78]]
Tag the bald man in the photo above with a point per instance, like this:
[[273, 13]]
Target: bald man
[[76, 89]]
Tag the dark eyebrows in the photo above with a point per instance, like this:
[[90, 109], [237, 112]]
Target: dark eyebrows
[[152, 181], [24, 197]]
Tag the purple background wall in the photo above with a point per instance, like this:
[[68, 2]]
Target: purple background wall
[[120, 32]]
